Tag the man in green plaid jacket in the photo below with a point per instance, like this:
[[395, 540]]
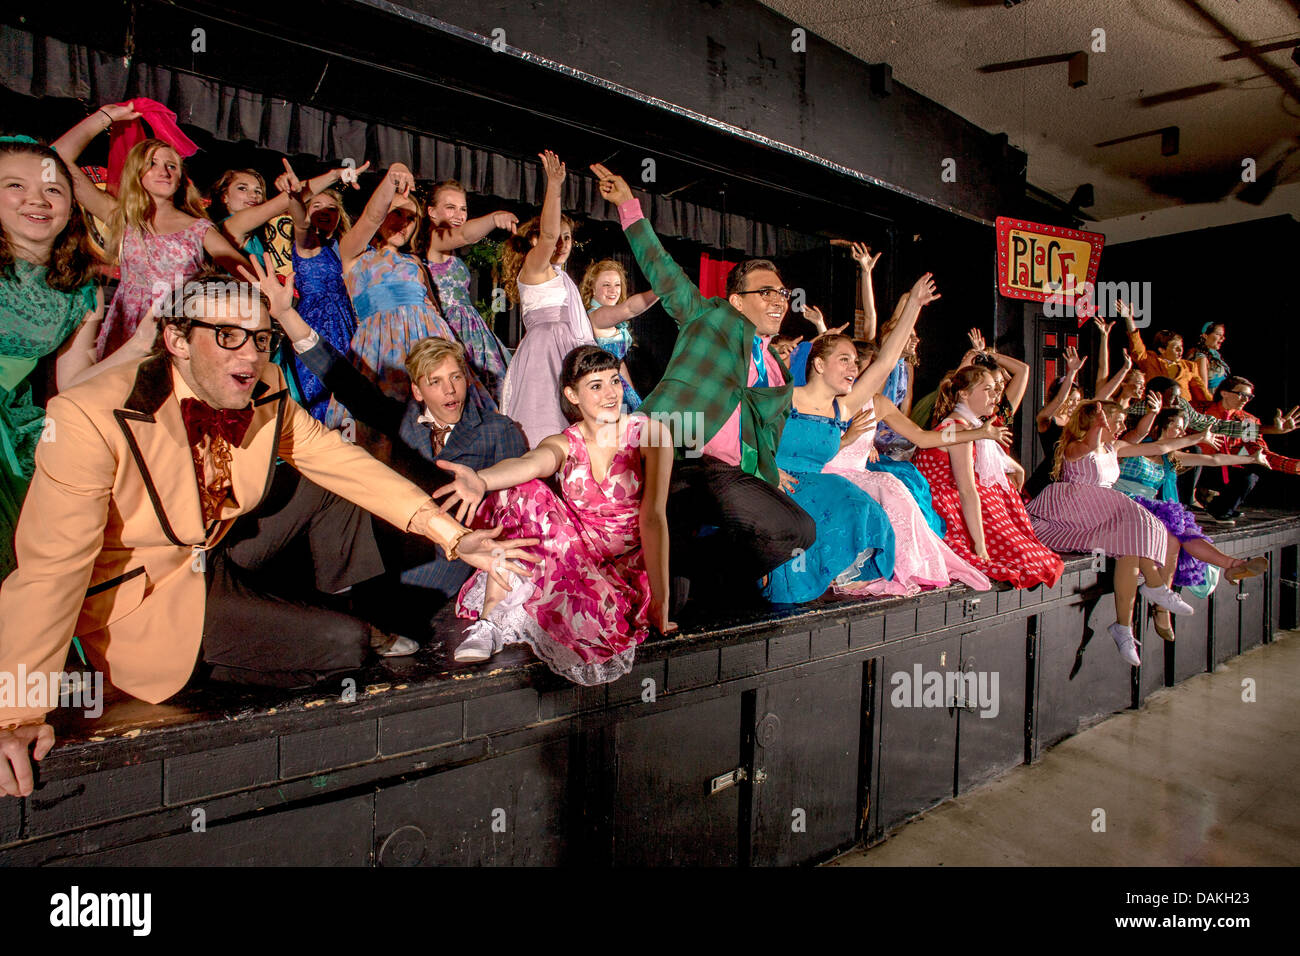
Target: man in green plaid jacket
[[724, 397]]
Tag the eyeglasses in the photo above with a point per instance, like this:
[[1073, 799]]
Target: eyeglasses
[[769, 295], [1245, 396], [233, 337]]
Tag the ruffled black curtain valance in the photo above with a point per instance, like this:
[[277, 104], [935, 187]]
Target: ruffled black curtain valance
[[42, 66]]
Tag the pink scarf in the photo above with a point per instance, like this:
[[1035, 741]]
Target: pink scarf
[[125, 135]]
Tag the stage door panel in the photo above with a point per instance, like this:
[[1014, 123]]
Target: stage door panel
[[1289, 589], [1225, 639], [338, 833], [1254, 604], [1081, 677], [989, 745], [918, 740], [807, 763], [506, 811], [1274, 593], [665, 813], [1192, 638]]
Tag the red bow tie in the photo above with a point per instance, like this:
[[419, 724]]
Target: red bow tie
[[203, 420]]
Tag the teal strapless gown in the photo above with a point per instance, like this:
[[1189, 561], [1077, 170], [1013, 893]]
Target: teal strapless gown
[[855, 541]]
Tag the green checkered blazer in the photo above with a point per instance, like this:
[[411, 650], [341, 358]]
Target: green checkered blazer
[[707, 374]]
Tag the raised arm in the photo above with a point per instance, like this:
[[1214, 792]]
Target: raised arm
[[679, 296], [1124, 449], [1112, 385], [1072, 365], [1135, 344], [1193, 459], [923, 292], [1019, 372], [537, 264], [867, 264], [396, 182], [73, 143], [608, 316], [238, 225], [1283, 424], [451, 238]]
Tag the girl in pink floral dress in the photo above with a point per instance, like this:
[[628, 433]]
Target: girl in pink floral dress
[[602, 580], [158, 230]]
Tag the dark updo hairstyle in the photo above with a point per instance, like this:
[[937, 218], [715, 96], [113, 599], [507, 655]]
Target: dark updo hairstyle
[[578, 364], [73, 258], [823, 347], [867, 352], [1163, 418]]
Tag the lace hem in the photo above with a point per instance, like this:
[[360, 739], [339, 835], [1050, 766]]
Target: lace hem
[[517, 626], [850, 574]]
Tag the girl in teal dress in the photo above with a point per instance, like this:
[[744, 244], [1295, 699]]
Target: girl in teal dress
[[604, 286], [48, 304]]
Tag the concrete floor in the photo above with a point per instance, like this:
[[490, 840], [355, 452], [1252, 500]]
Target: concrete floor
[[1197, 777]]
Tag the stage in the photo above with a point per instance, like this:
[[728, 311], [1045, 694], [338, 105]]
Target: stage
[[778, 739]]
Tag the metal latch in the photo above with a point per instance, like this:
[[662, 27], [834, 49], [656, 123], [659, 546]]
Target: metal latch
[[728, 779], [969, 606]]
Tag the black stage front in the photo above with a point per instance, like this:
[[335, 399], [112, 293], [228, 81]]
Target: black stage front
[[776, 739]]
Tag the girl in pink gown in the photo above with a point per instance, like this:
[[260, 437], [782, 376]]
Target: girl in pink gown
[[602, 580]]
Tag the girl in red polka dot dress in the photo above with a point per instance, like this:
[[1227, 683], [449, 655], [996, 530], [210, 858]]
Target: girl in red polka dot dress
[[975, 490]]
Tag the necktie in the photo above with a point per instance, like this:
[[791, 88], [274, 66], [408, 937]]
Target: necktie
[[438, 435], [759, 363], [224, 428]]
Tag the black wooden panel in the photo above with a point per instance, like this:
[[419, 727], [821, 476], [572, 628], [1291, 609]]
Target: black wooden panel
[[831, 639], [1155, 654], [1225, 635], [788, 649], [692, 670], [494, 712], [633, 686], [332, 834], [315, 751], [900, 623], [1274, 592], [866, 631], [1192, 641], [663, 811], [918, 744], [1289, 591], [507, 811], [991, 735], [199, 775], [11, 818], [420, 729], [557, 703], [807, 743], [741, 660], [1081, 676], [1253, 606], [76, 802]]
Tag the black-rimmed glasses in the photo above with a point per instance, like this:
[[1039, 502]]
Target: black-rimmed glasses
[[233, 337], [769, 294]]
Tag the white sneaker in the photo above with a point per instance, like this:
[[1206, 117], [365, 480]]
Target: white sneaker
[[479, 643], [1167, 599], [399, 647], [1126, 643]]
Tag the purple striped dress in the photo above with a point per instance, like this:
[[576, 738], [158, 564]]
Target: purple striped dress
[[1083, 513]]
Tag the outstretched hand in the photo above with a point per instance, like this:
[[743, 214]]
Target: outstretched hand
[[486, 551], [1072, 360], [612, 187], [923, 291], [279, 295], [862, 253], [348, 175], [464, 492], [555, 170], [401, 179]]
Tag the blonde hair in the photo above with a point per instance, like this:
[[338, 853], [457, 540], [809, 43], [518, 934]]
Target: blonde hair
[[587, 287], [135, 207], [428, 354], [516, 250], [345, 221], [1084, 417]]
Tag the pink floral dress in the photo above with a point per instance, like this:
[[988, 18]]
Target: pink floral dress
[[586, 606], [149, 265]]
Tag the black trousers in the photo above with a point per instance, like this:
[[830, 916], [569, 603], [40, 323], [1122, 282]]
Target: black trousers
[[1232, 493], [268, 584], [758, 528]]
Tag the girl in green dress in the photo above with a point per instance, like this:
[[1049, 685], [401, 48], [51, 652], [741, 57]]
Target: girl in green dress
[[48, 304]]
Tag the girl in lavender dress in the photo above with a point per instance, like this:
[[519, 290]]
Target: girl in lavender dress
[[390, 288], [604, 286], [1082, 512], [555, 321], [450, 229], [602, 580]]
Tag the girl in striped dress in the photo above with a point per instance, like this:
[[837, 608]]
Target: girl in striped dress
[[1081, 511]]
